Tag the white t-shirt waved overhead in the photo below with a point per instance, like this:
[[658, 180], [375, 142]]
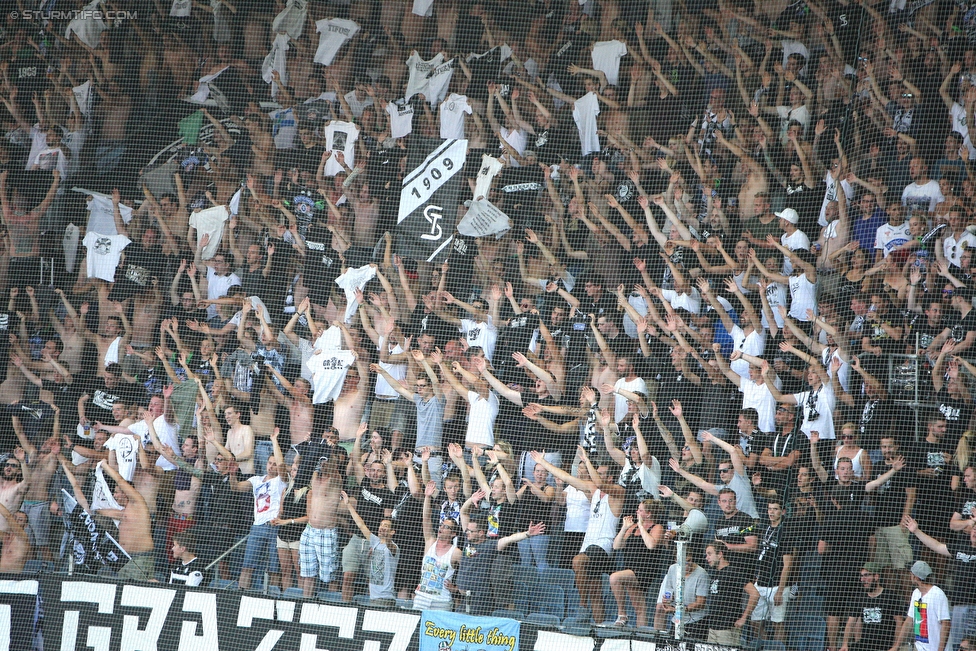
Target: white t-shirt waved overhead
[[585, 110], [606, 57], [335, 32]]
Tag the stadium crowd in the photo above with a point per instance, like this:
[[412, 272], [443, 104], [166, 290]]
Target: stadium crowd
[[736, 276]]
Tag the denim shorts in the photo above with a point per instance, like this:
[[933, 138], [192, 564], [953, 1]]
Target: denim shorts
[[262, 548]]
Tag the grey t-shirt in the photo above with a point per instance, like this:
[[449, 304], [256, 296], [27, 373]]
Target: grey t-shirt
[[382, 569], [430, 421]]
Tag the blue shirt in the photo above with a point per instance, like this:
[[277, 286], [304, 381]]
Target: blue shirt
[[865, 231]]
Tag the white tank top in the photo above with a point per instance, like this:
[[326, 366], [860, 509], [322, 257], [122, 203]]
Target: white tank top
[[577, 510], [803, 295], [602, 527], [434, 571], [855, 462]]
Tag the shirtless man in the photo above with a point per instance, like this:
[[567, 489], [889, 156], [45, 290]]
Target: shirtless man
[[299, 405], [145, 316], [134, 521], [349, 406], [14, 482], [36, 503], [240, 440], [186, 485], [23, 227], [16, 544], [73, 343], [117, 332], [319, 545]]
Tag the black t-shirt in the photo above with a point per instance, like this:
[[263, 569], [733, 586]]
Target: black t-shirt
[[424, 322], [933, 501], [927, 333], [877, 617], [963, 556], [515, 337], [782, 445], [673, 385], [966, 506], [734, 531], [846, 526], [876, 420], [957, 414], [725, 597], [963, 326], [311, 452], [322, 265], [889, 499], [503, 518], [408, 517], [372, 502], [774, 544]]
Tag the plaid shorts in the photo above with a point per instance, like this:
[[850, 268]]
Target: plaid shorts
[[317, 552]]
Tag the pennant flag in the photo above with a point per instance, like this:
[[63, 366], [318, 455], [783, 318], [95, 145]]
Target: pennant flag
[[428, 203]]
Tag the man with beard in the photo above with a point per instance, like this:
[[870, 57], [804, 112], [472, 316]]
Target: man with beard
[[14, 483], [728, 582], [875, 615]]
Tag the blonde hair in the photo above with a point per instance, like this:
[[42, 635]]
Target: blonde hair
[[964, 450]]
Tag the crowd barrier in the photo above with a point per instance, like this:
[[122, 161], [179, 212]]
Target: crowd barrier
[[49, 612]]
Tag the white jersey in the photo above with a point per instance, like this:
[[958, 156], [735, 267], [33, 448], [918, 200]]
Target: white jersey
[[831, 195], [267, 497], [452, 116], [922, 198], [821, 404], [602, 526], [752, 344], [209, 222], [401, 118], [437, 82], [889, 237], [794, 242], [481, 419], [637, 385], [480, 333], [126, 448], [418, 81], [490, 167], [959, 125]]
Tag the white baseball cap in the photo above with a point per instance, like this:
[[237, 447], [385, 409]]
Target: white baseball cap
[[789, 215]]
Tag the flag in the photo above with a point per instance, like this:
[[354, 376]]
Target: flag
[[88, 542], [428, 203], [482, 219]]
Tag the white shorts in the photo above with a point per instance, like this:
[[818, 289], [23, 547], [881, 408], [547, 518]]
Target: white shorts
[[766, 610]]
